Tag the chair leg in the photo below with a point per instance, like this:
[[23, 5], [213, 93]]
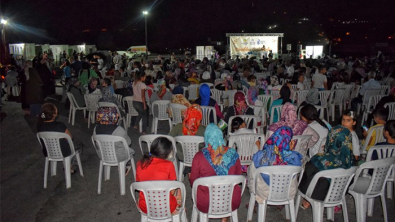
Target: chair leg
[[170, 125], [107, 171], [122, 167], [390, 189], [262, 211], [79, 164], [100, 177], [333, 113], [67, 165], [89, 119], [287, 211], [344, 209], [234, 216], [330, 213], [203, 217], [180, 172], [318, 211], [73, 120], [133, 168], [384, 206], [370, 203], [70, 112], [297, 204], [53, 168], [251, 207], [194, 216], [292, 210], [46, 172]]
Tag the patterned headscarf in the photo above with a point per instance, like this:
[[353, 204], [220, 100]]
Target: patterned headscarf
[[192, 118], [108, 96], [228, 81], [161, 88], [107, 115], [289, 118], [252, 95], [276, 151], [240, 103], [262, 84], [204, 93], [220, 157], [338, 150]]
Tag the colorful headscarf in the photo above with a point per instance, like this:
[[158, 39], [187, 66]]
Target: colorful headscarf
[[107, 116], [276, 151], [192, 118], [252, 95], [262, 84], [180, 99], [338, 150], [108, 96], [289, 118], [204, 93], [240, 103], [220, 157], [161, 88]]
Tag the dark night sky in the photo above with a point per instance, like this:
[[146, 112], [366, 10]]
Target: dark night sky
[[175, 24]]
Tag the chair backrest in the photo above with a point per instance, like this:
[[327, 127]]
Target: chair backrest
[[280, 180], [185, 91], [324, 97], [129, 104], [72, 100], [220, 192], [192, 91], [208, 112], [277, 108], [216, 95], [370, 92], [248, 119], [294, 86], [231, 94], [162, 109], [267, 100], [385, 89], [176, 112], [355, 91], [105, 144], [157, 197], [91, 101], [302, 142], [245, 145], [337, 96], [150, 138], [377, 139], [275, 94], [307, 85], [391, 109], [261, 112], [190, 146], [119, 84], [383, 151], [51, 142], [348, 88], [373, 100], [147, 98], [381, 170], [300, 96], [339, 180]]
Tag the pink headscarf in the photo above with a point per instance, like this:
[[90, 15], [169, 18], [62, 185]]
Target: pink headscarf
[[289, 118]]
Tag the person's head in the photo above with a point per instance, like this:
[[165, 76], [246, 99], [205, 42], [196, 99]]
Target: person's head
[[238, 123], [140, 76], [107, 116], [106, 82], [251, 80], [192, 120], [309, 113], [213, 136], [349, 119], [161, 148], [148, 80], [380, 115], [322, 69], [389, 131], [67, 63], [204, 93], [73, 82], [48, 112], [28, 64], [239, 99], [301, 77], [285, 93], [85, 65], [93, 82]]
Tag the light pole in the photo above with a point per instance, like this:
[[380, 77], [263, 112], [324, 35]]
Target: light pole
[[4, 57], [146, 39]]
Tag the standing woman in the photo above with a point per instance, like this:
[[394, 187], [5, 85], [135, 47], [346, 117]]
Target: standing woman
[[139, 101], [33, 90]]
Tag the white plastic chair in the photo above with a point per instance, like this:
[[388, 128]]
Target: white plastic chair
[[217, 95], [108, 104], [185, 91], [294, 86], [193, 92], [159, 192], [385, 89], [267, 100], [385, 151], [300, 96], [339, 181], [161, 115], [207, 112], [231, 98], [325, 97], [365, 101], [91, 101], [150, 138], [275, 94], [378, 139], [373, 100], [105, 145], [281, 181], [277, 109], [73, 108], [391, 109], [119, 84], [302, 142], [176, 112], [218, 207], [245, 145], [348, 89], [365, 189], [262, 113], [247, 119], [54, 154], [190, 146], [131, 112], [354, 93], [337, 100]]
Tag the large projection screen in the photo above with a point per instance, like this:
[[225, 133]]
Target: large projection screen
[[253, 44]]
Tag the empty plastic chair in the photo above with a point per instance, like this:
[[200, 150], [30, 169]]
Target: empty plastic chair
[[91, 101], [131, 112], [193, 92], [246, 147], [160, 113], [73, 108], [190, 146], [209, 115], [277, 109]]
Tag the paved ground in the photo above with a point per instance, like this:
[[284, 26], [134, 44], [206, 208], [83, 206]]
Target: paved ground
[[23, 197]]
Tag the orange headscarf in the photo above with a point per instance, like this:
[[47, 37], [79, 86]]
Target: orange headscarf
[[192, 118]]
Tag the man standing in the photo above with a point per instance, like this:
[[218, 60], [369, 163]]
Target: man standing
[[46, 76], [117, 61], [319, 80]]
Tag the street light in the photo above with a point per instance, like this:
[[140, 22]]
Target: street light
[[3, 45], [145, 13], [4, 21]]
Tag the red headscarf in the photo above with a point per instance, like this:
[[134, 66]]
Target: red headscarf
[[192, 118], [240, 104]]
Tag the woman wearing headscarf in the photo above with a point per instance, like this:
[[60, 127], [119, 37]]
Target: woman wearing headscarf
[[93, 86], [239, 108], [285, 96], [108, 96], [205, 100], [162, 92], [215, 159], [107, 118], [276, 151], [74, 88], [252, 96], [337, 154], [299, 127]]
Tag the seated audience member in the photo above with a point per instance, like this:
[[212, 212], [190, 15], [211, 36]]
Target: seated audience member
[[285, 96], [300, 85], [206, 78], [239, 126], [371, 84], [312, 97], [215, 159], [93, 87], [107, 119], [205, 100], [349, 120], [319, 80], [379, 117], [252, 96], [148, 83], [239, 108], [108, 96], [106, 82], [156, 166], [162, 92], [337, 154], [386, 99], [74, 88], [389, 133]]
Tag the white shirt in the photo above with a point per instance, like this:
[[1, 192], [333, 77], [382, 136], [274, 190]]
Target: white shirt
[[319, 80], [355, 144], [300, 86], [371, 84], [323, 133]]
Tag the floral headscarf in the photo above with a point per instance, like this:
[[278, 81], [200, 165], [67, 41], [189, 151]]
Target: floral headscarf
[[289, 118], [204, 93], [338, 150], [262, 84], [220, 157], [276, 151], [192, 118], [252, 95], [107, 115], [161, 88], [240, 103]]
